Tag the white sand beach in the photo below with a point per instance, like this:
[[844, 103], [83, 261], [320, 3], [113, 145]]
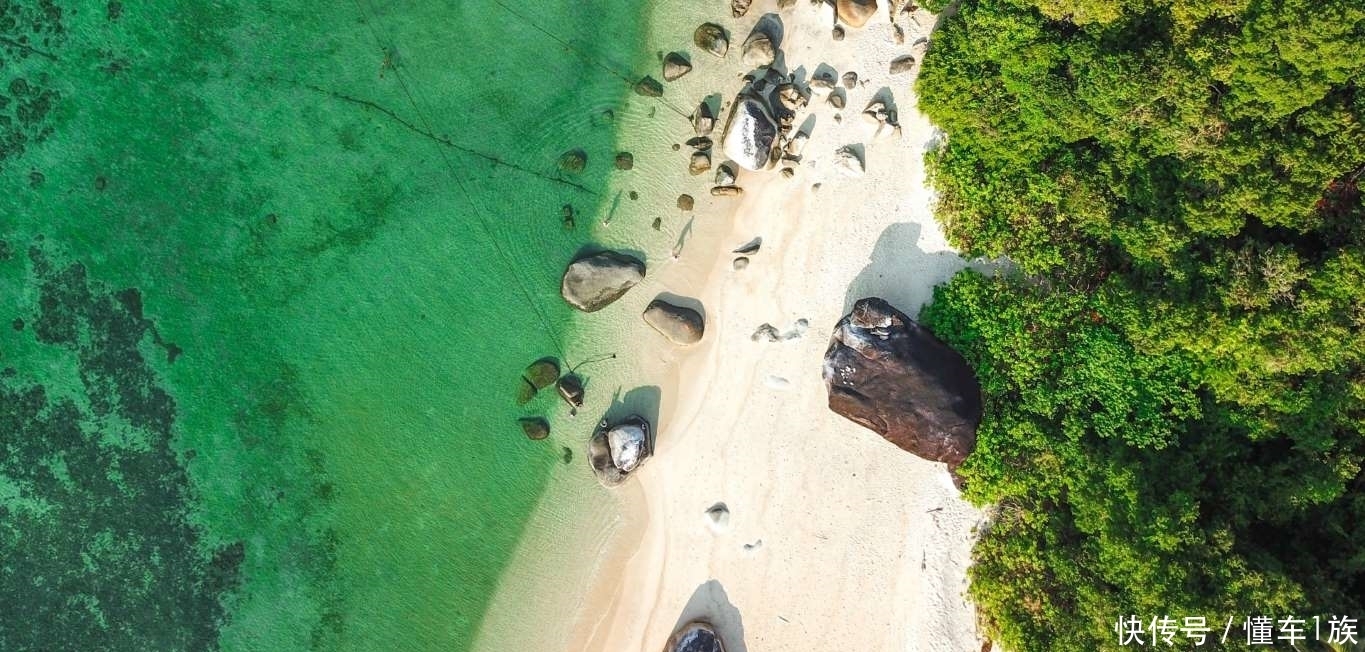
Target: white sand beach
[[836, 539]]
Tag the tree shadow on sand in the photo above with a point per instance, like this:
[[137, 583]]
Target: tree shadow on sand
[[904, 274], [711, 604]]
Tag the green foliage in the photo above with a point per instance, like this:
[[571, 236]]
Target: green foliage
[[1175, 385]]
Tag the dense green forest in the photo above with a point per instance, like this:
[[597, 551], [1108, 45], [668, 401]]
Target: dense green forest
[[1175, 375]]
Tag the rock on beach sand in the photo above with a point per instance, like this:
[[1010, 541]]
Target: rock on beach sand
[[679, 324], [750, 135]]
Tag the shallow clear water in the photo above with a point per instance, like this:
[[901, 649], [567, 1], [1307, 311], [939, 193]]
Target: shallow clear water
[[343, 287]]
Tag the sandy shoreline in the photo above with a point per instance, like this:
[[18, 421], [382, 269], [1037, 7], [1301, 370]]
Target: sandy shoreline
[[836, 538]]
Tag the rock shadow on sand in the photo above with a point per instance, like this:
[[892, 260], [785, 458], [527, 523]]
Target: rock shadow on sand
[[903, 273], [710, 603]]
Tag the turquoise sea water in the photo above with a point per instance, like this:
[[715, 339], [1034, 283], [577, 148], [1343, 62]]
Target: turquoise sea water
[[265, 302]]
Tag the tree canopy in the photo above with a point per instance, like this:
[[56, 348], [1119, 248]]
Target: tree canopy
[[1175, 376]]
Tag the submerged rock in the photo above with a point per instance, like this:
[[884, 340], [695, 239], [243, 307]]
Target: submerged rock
[[542, 373], [535, 428], [615, 451], [711, 37], [649, 87], [675, 66], [625, 161], [678, 324], [592, 282], [850, 79], [686, 202], [696, 636], [573, 161], [739, 7], [525, 392], [891, 376], [750, 135]]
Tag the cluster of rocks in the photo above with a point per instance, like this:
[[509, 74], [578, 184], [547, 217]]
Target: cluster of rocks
[[617, 450]]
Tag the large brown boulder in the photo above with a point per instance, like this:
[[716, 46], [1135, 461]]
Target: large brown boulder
[[890, 375]]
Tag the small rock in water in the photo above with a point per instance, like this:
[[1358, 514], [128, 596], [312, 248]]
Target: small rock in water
[[759, 50], [703, 122], [678, 324], [725, 175], [686, 202], [625, 161], [788, 173], [718, 517], [525, 392], [837, 33], [711, 37], [565, 454], [701, 162], [535, 428], [902, 64], [676, 65], [570, 388], [740, 263], [649, 87], [566, 214], [750, 547], [542, 373], [573, 161], [850, 79], [726, 191], [740, 7], [658, 223], [633, 195], [836, 100]]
